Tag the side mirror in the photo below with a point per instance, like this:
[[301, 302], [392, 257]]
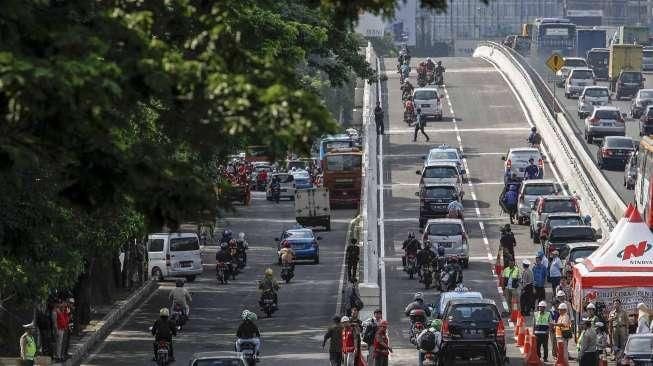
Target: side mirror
[[423, 157], [319, 238], [276, 239], [418, 172], [503, 158], [599, 233], [416, 194]]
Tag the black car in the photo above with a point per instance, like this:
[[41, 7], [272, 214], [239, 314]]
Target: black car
[[434, 200], [561, 235], [628, 84], [614, 151], [472, 330], [597, 59], [571, 252], [639, 350]]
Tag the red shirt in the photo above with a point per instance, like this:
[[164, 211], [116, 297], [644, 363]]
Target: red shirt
[[381, 343], [348, 340], [63, 320]]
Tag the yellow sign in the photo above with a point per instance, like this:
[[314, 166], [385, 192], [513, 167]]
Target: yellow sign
[[555, 62]]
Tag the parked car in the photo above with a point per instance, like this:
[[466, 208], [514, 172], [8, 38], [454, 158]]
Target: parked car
[[447, 154], [628, 84], [638, 350], [546, 205], [569, 63], [473, 329], [303, 241], [592, 96], [449, 234], [571, 252], [630, 173], [528, 193], [429, 101], [577, 80], [604, 121], [646, 121], [559, 219], [562, 235], [643, 98], [221, 358], [614, 150], [434, 199], [517, 160]]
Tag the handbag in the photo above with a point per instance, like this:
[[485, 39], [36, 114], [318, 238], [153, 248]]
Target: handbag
[[567, 334]]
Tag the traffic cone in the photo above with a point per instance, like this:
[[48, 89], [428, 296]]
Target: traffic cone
[[527, 341], [514, 314], [531, 358], [562, 354], [602, 360], [518, 326], [521, 337]]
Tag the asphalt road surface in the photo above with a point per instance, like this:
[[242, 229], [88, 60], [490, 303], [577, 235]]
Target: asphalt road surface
[[483, 117], [293, 336]]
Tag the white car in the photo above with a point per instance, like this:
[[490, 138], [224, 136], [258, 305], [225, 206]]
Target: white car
[[569, 63], [528, 193], [428, 101], [592, 96], [445, 153], [441, 173], [286, 183], [517, 160], [449, 234], [577, 80], [604, 121]]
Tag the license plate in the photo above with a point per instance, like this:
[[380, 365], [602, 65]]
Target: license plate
[[446, 244], [596, 103], [472, 331], [284, 190], [426, 105], [186, 264], [606, 124]]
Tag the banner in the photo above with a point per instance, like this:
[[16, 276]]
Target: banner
[[629, 296]]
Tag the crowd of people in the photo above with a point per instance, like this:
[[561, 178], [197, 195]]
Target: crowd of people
[[49, 334]]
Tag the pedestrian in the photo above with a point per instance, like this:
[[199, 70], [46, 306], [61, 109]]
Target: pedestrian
[[62, 325], [28, 345], [370, 326], [542, 321], [539, 279], [591, 313], [643, 319], [382, 345], [352, 256], [526, 283], [44, 327], [508, 244], [348, 343], [420, 123], [555, 315], [70, 307], [334, 336], [602, 340], [555, 271], [357, 326], [378, 118], [586, 345], [511, 276], [618, 321], [510, 199], [353, 298], [563, 327]]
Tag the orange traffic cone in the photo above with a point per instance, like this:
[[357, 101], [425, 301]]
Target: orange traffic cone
[[518, 326], [521, 337], [531, 358], [514, 314], [562, 354], [527, 341]]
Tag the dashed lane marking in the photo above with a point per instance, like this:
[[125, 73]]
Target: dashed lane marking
[[401, 131]]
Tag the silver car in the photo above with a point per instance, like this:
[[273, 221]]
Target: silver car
[[604, 121], [643, 98], [429, 102], [577, 80], [528, 193], [441, 172], [592, 96], [569, 63], [449, 234], [221, 358], [445, 153]]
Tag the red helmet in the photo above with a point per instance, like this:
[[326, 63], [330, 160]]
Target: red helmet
[[285, 244]]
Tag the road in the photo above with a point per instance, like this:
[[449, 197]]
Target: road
[[614, 175], [483, 117], [293, 336]]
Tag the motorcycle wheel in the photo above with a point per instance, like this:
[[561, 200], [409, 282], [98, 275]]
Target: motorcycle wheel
[[410, 275], [268, 311]]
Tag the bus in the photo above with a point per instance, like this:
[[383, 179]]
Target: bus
[[643, 187], [341, 141], [342, 175], [553, 35], [587, 18]]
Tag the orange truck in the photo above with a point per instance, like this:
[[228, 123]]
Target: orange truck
[[342, 175]]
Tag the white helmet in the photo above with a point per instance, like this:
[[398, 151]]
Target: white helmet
[[590, 306], [164, 312], [429, 60], [241, 235], [560, 293], [542, 304], [418, 296], [344, 319], [562, 306]]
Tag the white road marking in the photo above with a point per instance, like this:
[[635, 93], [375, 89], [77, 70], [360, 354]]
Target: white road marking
[[393, 185], [276, 221], [384, 288], [481, 218], [397, 131]]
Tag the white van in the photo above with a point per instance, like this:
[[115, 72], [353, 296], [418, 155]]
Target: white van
[[174, 255]]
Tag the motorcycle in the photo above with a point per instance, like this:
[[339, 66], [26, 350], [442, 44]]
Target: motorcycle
[[267, 303], [417, 321], [411, 266], [430, 359], [431, 77], [450, 277], [162, 353], [287, 272], [421, 79], [276, 194], [248, 350], [409, 115], [439, 79], [222, 272], [427, 276], [178, 315]]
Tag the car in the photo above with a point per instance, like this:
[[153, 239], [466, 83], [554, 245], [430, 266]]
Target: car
[[614, 150], [453, 295], [630, 173], [471, 327], [628, 84], [577, 80], [258, 167], [517, 160], [597, 59], [572, 252], [449, 234], [224, 358], [429, 101], [302, 179], [303, 241], [562, 235], [441, 172], [646, 121], [174, 255], [545, 205], [592, 96], [647, 59], [559, 219], [301, 164], [445, 153], [434, 199], [568, 64], [604, 121], [529, 191], [638, 350], [643, 98], [287, 183]]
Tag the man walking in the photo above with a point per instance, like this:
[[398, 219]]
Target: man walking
[[28, 345], [382, 345], [378, 118], [352, 257], [334, 336], [587, 345], [555, 271], [508, 244], [542, 321], [420, 123], [526, 297], [370, 326], [539, 279], [511, 276], [618, 320]]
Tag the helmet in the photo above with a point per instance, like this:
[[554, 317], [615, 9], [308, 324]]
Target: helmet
[[418, 296], [224, 245], [560, 293], [285, 244], [439, 62], [344, 319], [241, 235], [269, 272], [164, 312], [533, 129], [427, 244], [590, 306], [419, 110], [179, 282], [429, 60], [562, 306], [226, 233], [542, 304], [440, 251], [526, 262], [436, 324], [244, 314], [531, 160], [251, 316]]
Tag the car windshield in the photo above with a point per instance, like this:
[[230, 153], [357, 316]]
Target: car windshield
[[648, 53], [566, 221], [230, 362], [646, 94], [524, 155], [262, 168], [298, 234], [184, 244], [597, 93], [285, 178], [607, 114], [473, 313], [425, 95], [582, 74], [539, 189], [344, 163], [443, 155], [580, 253], [440, 192], [640, 345], [442, 229], [440, 172], [624, 143], [296, 165], [631, 77], [599, 58], [337, 144], [575, 62], [575, 233], [559, 206]]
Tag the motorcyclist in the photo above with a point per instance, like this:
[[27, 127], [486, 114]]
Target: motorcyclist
[[179, 295], [226, 236], [453, 268], [409, 110], [535, 139], [455, 210], [242, 246], [287, 255], [224, 257], [275, 188], [425, 257], [405, 70], [510, 199], [441, 260], [439, 72], [235, 256], [422, 69], [429, 340], [430, 65], [163, 330], [248, 332], [269, 284], [406, 90], [531, 171], [410, 246], [418, 303]]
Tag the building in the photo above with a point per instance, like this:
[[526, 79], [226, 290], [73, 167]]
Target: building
[[615, 12]]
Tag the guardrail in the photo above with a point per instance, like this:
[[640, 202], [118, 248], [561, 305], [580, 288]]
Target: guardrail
[[606, 204]]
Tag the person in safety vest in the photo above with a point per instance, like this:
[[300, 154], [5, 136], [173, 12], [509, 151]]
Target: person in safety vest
[[542, 321], [28, 345], [511, 276]]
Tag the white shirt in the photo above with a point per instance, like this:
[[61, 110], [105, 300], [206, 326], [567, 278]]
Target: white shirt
[[556, 268]]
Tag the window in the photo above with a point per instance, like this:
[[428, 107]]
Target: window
[[631, 77], [343, 163], [640, 345], [440, 172], [582, 74], [646, 94], [440, 192], [597, 93], [580, 253], [525, 155], [575, 62], [539, 189], [559, 206], [607, 114], [155, 245], [443, 155], [184, 244], [620, 143], [648, 53], [598, 58], [474, 313], [298, 234], [562, 233], [285, 178], [445, 230], [425, 95], [232, 362], [565, 221], [328, 145]]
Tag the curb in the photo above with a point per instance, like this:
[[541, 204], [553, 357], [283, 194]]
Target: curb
[[108, 322]]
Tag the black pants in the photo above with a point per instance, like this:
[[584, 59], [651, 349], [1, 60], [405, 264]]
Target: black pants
[[542, 342], [171, 353], [555, 281], [379, 127], [589, 359], [540, 294], [352, 270], [420, 128], [526, 299]]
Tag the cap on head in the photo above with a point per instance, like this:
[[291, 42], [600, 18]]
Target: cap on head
[[590, 306], [560, 293], [562, 306], [542, 304]]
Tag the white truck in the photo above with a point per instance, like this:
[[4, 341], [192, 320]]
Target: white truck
[[312, 207]]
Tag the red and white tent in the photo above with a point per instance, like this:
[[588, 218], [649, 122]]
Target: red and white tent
[[621, 268]]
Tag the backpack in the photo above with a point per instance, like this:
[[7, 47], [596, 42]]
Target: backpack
[[369, 332], [427, 342]]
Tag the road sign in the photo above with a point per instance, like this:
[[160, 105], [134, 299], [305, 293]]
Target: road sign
[[555, 62]]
